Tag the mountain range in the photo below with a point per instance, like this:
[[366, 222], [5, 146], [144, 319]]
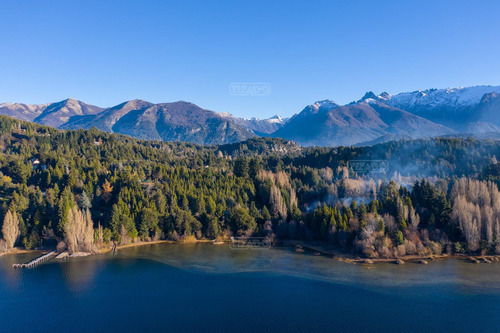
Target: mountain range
[[371, 119]]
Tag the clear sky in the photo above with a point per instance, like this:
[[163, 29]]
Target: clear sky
[[106, 52]]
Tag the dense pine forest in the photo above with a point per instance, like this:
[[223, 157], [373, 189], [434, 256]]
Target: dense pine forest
[[82, 190]]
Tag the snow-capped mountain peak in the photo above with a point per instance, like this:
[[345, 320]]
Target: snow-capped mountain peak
[[275, 119], [450, 97], [326, 104], [225, 114], [384, 96], [370, 97], [257, 125]]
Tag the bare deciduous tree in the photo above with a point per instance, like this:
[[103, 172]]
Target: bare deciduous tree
[[125, 239], [293, 198], [390, 223], [414, 218], [476, 210], [79, 231], [10, 229], [277, 203]]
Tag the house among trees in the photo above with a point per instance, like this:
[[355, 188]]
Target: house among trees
[[37, 164]]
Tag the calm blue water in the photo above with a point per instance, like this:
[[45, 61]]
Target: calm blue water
[[193, 287]]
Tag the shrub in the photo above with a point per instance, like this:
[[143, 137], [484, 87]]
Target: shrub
[[398, 238], [107, 234], [32, 241], [411, 248], [460, 247], [435, 247], [400, 251], [3, 246], [61, 246]]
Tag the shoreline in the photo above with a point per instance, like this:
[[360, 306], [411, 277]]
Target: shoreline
[[162, 241], [320, 250], [130, 245], [104, 250], [295, 246], [22, 251]]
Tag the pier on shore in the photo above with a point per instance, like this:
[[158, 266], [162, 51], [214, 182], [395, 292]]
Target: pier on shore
[[35, 261]]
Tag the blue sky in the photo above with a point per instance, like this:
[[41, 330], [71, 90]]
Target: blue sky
[[107, 52]]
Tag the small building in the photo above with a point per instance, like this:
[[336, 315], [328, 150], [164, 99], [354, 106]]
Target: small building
[[37, 164]]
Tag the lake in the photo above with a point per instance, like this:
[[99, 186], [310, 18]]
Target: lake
[[194, 287]]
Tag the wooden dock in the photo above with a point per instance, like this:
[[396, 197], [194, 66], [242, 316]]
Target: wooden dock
[[35, 261]]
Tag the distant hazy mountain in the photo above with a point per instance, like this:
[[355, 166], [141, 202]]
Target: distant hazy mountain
[[458, 108], [261, 127], [326, 123], [487, 114], [372, 119]]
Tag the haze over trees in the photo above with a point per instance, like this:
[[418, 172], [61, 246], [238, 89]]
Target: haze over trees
[[88, 189]]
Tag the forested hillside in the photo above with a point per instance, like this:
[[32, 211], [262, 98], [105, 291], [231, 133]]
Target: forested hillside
[[82, 189]]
